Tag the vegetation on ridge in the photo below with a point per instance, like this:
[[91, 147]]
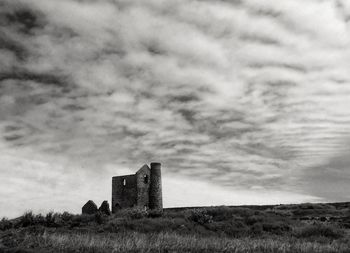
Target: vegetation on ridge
[[282, 228]]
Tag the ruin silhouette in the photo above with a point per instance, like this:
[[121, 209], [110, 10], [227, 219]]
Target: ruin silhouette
[[142, 189]]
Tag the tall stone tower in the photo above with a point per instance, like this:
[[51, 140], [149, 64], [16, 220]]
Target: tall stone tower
[[155, 191]]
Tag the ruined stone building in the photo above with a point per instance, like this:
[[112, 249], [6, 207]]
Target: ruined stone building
[[142, 189]]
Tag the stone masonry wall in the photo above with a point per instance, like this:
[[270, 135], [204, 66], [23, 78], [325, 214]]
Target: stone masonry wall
[[143, 183], [124, 196]]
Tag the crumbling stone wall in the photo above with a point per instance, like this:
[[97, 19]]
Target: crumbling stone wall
[[89, 208], [124, 192], [143, 189], [104, 208], [143, 182]]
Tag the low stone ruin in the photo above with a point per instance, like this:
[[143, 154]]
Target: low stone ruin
[[104, 208], [91, 208]]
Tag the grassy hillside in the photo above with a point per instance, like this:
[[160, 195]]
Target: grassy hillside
[[282, 228]]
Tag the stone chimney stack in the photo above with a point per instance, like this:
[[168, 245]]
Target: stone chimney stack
[[155, 192]]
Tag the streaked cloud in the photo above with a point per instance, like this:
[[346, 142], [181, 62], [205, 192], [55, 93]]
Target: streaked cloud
[[240, 95]]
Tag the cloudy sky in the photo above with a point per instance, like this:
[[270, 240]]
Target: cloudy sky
[[243, 102]]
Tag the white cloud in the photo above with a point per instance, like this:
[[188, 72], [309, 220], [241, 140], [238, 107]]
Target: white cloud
[[254, 91]]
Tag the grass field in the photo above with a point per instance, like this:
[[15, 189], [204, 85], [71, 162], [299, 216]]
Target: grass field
[[282, 228]]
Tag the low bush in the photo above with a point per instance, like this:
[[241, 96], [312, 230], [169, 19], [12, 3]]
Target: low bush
[[27, 219], [232, 228], [39, 219], [200, 216], [111, 227], [155, 213], [277, 227], [251, 220], [83, 219], [256, 229], [319, 230], [67, 217], [222, 213], [99, 218], [175, 214], [132, 213], [315, 210], [50, 219], [5, 224]]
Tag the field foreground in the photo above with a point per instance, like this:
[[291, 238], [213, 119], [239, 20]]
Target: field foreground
[[282, 228]]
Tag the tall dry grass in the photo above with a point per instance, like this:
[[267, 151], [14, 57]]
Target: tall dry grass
[[297, 228], [173, 242]]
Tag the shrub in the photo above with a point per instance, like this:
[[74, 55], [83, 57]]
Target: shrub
[[223, 213], [257, 229], [83, 219], [67, 217], [155, 213], [200, 216], [111, 227], [315, 210], [146, 225], [175, 213], [232, 228], [275, 227], [319, 230], [5, 224], [99, 218], [27, 219], [254, 219], [39, 219], [133, 213], [30, 219], [284, 207], [50, 220]]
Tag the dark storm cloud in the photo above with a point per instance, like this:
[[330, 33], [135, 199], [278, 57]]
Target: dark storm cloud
[[24, 19], [13, 46], [43, 78]]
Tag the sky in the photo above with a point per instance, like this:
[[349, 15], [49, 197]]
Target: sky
[[243, 102]]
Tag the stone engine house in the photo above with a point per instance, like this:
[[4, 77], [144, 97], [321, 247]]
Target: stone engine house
[[142, 189]]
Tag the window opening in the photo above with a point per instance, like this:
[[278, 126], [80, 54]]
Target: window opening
[[145, 179]]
